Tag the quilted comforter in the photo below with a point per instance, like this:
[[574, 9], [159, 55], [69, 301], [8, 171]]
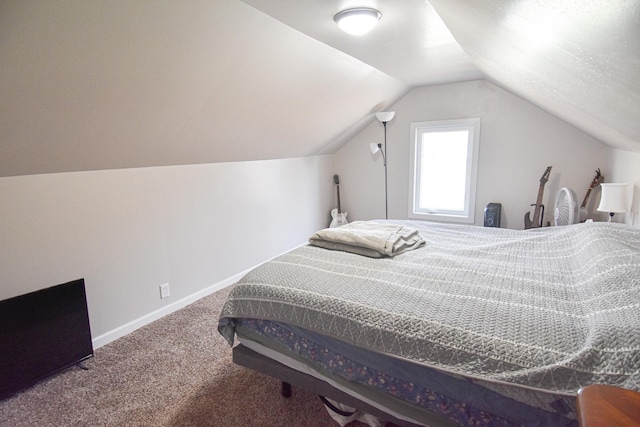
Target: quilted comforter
[[550, 309]]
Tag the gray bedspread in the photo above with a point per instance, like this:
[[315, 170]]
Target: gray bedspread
[[551, 309]]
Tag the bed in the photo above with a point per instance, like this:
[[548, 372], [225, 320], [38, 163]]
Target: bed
[[476, 326]]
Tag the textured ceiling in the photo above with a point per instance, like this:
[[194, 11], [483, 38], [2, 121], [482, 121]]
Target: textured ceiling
[[577, 59], [100, 85], [410, 43]]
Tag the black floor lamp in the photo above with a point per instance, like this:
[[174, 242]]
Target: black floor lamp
[[384, 117]]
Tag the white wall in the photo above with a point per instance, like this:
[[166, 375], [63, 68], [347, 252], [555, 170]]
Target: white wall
[[517, 142], [625, 167], [127, 231]]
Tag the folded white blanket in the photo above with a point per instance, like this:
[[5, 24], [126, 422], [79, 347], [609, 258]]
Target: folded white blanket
[[369, 238]]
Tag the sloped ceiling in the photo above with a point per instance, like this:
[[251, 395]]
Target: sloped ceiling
[[411, 43], [577, 59], [87, 85], [98, 85]]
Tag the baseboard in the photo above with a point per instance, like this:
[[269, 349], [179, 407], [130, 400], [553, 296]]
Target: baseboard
[[127, 328]]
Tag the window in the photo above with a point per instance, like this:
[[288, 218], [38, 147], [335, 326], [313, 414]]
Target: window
[[444, 162]]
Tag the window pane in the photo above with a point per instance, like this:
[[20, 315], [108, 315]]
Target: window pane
[[444, 165], [443, 170]]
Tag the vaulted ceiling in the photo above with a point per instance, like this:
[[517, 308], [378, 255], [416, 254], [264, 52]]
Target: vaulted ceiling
[[100, 85]]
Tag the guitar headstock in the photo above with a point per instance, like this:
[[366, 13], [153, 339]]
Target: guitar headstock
[[597, 179], [336, 179], [545, 175]]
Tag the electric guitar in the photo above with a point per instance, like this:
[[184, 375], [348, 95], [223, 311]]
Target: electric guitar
[[338, 217], [539, 207], [584, 212]]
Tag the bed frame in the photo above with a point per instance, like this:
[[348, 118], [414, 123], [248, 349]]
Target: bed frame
[[248, 358]]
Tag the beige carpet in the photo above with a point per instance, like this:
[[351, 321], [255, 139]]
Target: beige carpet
[[176, 371]]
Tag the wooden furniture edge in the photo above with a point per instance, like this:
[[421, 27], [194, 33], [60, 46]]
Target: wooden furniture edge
[[604, 405]]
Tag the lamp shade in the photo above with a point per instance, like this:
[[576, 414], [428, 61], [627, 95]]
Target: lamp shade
[[613, 198], [374, 147], [357, 21], [385, 116]]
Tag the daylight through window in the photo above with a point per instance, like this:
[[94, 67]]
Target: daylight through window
[[443, 163]]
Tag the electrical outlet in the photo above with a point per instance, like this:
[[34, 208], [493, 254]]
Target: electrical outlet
[[164, 291]]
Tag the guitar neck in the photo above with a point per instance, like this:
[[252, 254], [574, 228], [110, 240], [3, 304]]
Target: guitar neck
[[586, 198], [536, 211], [338, 192]]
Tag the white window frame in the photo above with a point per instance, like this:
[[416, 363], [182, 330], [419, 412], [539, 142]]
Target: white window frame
[[466, 215]]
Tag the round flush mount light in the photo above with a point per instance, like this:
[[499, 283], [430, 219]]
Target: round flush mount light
[[358, 20]]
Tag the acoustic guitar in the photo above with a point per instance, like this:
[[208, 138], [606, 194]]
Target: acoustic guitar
[[338, 217], [597, 180], [538, 212]]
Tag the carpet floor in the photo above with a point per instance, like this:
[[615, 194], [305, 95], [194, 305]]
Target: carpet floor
[[176, 371]]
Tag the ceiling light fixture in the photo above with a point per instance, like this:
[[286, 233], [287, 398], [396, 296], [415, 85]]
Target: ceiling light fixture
[[358, 20]]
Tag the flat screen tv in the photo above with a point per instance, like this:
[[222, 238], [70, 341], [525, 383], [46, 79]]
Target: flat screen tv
[[41, 333]]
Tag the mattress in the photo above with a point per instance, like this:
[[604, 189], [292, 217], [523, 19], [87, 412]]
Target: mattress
[[401, 388], [529, 316]]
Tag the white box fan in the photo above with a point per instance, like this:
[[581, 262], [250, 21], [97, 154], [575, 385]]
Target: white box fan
[[567, 210]]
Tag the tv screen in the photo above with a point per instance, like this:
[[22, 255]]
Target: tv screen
[[41, 333]]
